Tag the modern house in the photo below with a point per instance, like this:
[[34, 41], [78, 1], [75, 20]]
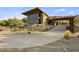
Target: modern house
[[37, 16]]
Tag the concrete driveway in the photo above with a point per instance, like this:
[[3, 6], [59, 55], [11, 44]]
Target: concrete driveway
[[22, 40]]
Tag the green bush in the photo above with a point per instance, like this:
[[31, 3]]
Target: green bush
[[67, 34]]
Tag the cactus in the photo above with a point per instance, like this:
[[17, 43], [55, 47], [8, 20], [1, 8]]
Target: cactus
[[67, 34]]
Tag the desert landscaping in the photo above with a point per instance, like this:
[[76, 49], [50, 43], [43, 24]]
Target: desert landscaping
[[39, 32], [21, 40], [50, 41]]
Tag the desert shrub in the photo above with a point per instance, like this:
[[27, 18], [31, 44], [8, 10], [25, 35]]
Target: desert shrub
[[15, 29], [77, 34], [25, 30], [67, 34], [2, 28], [29, 32]]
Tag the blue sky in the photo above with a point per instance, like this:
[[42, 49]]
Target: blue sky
[[9, 12]]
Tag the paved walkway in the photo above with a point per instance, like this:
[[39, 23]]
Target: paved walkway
[[22, 40], [58, 29]]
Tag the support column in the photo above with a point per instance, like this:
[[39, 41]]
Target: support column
[[71, 25], [53, 22]]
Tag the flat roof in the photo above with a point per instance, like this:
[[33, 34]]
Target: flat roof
[[61, 17]]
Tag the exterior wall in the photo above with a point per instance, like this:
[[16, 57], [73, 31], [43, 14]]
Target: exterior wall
[[33, 19], [44, 18], [44, 23]]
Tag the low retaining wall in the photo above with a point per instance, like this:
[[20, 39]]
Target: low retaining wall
[[38, 27]]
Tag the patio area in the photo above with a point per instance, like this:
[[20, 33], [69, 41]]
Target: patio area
[[24, 40]]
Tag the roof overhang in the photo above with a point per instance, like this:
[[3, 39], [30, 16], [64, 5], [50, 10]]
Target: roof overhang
[[34, 11]]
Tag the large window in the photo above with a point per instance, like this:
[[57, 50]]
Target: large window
[[33, 19]]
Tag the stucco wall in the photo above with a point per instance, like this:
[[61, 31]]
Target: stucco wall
[[44, 25], [44, 18]]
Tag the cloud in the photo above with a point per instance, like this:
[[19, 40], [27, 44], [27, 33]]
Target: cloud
[[59, 10], [62, 9], [71, 12]]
